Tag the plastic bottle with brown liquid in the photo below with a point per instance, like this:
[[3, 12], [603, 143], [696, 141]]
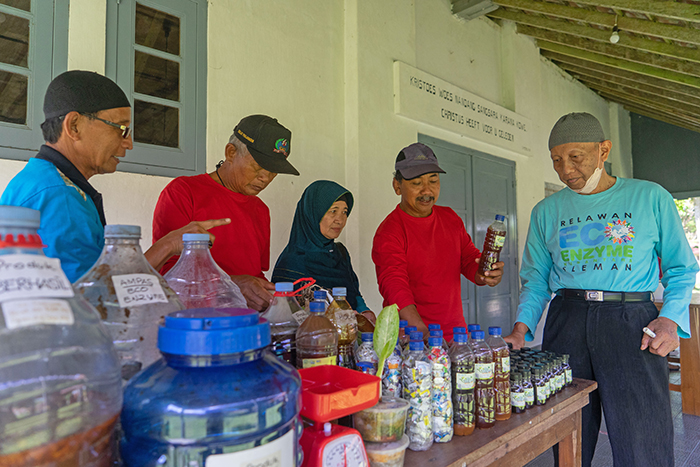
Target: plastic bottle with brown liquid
[[501, 374], [344, 319], [317, 339], [493, 244], [463, 381], [283, 322], [483, 370]]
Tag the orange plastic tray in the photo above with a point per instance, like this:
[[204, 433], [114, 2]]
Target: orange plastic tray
[[329, 392]]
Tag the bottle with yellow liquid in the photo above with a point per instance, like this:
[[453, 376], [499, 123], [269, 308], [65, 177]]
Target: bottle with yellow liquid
[[344, 319]]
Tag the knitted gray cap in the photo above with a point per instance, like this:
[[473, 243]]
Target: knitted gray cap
[[576, 127]]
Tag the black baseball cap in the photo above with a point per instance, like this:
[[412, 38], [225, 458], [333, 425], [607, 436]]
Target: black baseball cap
[[416, 160], [84, 92], [268, 142]]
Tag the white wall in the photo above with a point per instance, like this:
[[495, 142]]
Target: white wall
[[324, 69]]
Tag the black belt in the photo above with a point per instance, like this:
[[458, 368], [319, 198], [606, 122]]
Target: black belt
[[603, 296]]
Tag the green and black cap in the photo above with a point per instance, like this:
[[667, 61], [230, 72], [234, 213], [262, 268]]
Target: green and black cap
[[268, 142]]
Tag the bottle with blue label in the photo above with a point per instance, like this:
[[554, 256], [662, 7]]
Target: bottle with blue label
[[60, 379], [130, 296], [218, 397]]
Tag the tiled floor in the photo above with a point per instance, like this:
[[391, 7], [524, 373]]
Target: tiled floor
[[686, 439]]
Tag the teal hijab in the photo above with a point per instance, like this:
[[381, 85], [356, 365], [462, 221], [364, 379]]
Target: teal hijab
[[309, 253]]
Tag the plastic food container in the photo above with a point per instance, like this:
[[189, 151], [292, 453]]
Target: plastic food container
[[387, 454], [383, 423]]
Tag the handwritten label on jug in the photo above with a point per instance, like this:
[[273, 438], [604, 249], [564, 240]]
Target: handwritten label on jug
[[300, 316], [138, 289], [22, 313], [32, 276], [277, 453]]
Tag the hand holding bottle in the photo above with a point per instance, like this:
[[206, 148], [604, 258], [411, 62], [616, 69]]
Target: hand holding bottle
[[491, 278]]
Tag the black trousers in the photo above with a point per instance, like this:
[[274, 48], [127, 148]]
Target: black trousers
[[603, 340]]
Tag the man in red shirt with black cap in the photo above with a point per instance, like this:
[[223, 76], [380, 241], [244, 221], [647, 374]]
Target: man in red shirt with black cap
[[421, 249], [256, 152]]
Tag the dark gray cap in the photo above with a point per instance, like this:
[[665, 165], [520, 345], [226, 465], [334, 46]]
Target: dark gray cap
[[576, 127], [416, 160], [82, 91]]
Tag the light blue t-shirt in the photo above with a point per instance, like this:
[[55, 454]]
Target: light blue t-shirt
[[607, 241], [70, 224]]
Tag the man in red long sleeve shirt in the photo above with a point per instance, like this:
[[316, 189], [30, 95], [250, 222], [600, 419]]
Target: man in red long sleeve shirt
[[421, 249]]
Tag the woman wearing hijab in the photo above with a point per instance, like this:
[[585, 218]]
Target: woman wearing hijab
[[312, 250]]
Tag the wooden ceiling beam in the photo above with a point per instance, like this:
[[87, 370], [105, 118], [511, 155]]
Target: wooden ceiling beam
[[616, 82], [661, 117], [650, 98], [649, 8], [612, 50], [651, 107], [573, 29], [621, 64], [594, 17], [566, 62]]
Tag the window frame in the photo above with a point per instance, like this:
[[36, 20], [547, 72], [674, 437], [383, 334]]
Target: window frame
[[190, 157], [48, 58]]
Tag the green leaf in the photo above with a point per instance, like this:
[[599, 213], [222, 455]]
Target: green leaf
[[386, 332]]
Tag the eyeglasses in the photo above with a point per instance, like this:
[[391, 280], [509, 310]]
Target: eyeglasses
[[126, 130]]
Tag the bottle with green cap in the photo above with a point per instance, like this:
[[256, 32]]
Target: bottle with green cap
[[198, 281], [130, 296]]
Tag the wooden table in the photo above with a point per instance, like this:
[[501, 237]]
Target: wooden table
[[520, 439], [690, 362]]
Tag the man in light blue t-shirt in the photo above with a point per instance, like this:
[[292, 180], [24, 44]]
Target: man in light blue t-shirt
[[597, 246]]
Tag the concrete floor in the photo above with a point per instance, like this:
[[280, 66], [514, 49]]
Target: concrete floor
[[686, 439]]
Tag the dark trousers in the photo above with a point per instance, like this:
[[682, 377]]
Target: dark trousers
[[603, 340]]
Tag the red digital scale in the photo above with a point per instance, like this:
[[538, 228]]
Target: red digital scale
[[328, 393]]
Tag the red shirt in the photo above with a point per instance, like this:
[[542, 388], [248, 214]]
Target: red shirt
[[419, 261], [241, 247]]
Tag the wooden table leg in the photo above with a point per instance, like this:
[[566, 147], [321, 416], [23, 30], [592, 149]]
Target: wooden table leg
[[690, 365], [570, 447]]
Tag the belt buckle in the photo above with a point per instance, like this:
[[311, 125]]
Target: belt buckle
[[594, 295]]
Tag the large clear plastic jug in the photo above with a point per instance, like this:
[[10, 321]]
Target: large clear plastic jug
[[60, 390], [218, 397], [199, 281], [130, 296]]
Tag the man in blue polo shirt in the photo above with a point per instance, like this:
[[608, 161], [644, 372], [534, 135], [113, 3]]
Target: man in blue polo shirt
[[596, 245], [87, 130]]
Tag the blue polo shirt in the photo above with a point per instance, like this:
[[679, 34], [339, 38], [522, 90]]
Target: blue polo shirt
[[72, 227]]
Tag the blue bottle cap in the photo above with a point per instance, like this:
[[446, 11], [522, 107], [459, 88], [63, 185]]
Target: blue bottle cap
[[367, 337], [403, 323], [416, 345], [473, 327], [213, 331], [434, 342], [317, 307], [409, 329], [121, 231], [500, 217], [195, 237], [417, 336], [18, 216], [436, 333], [460, 338], [494, 331], [340, 291], [284, 287], [320, 295], [433, 327], [459, 330], [478, 335]]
